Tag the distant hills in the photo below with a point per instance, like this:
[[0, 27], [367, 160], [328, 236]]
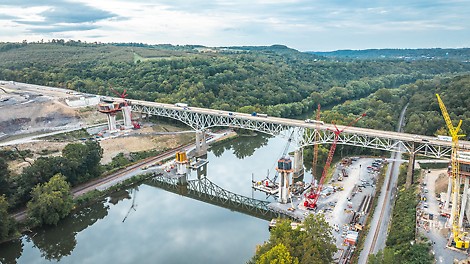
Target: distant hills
[[462, 54]]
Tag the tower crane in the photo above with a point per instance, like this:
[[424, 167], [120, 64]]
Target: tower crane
[[459, 236], [312, 198], [315, 146]]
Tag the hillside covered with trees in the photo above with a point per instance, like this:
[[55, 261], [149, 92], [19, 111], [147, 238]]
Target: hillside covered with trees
[[275, 80]]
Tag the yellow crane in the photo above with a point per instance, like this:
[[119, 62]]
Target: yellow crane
[[459, 236]]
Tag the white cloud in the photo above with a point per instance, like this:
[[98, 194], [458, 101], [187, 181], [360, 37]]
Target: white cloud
[[301, 24]]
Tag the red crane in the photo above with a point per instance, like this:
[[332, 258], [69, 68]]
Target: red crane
[[315, 147], [312, 198], [122, 95]]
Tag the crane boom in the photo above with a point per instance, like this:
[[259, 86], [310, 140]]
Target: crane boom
[[315, 146], [455, 174]]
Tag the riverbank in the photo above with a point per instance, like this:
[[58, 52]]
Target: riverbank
[[132, 174]]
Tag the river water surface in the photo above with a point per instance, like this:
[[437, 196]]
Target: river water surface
[[145, 224]]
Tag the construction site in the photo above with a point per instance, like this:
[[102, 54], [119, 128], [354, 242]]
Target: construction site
[[343, 192]]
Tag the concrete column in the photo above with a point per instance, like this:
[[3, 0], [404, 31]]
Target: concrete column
[[201, 145], [111, 123], [283, 187], [411, 167], [298, 163], [449, 191], [464, 201], [126, 114]]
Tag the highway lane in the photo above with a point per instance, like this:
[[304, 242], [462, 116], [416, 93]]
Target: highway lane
[[386, 135]]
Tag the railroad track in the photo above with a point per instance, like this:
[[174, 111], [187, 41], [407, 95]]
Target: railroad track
[[79, 190], [377, 230]]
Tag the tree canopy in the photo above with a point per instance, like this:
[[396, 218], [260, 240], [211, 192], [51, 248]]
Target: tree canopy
[[315, 244], [50, 201]]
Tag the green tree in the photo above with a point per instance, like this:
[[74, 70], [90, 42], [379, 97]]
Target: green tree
[[312, 244], [277, 255], [7, 224], [50, 201], [4, 178], [83, 161]]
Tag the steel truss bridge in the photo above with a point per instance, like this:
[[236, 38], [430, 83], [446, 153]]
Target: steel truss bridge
[[201, 119], [206, 191]]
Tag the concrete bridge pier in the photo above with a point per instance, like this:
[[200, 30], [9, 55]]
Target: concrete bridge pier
[[283, 187], [111, 123], [201, 145], [298, 164], [449, 191], [411, 167], [127, 115], [463, 206]]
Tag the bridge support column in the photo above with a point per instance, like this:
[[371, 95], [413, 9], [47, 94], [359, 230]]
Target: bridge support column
[[463, 206], [201, 145], [127, 116], [411, 168], [449, 192], [298, 163], [111, 123], [283, 187]]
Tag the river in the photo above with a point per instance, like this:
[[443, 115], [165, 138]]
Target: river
[[145, 224]]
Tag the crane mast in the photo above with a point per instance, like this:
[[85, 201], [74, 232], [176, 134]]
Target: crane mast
[[459, 236], [315, 146]]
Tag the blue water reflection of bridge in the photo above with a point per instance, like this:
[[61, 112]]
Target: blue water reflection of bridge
[[204, 190]]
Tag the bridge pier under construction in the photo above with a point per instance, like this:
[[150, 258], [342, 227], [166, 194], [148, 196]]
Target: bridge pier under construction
[[201, 144], [298, 163]]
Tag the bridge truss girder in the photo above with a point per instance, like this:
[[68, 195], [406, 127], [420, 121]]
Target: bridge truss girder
[[303, 136]]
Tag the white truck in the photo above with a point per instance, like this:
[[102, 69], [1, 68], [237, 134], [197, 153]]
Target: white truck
[[181, 105], [314, 121], [444, 138]]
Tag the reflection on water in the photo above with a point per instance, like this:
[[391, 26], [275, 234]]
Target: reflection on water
[[161, 226], [243, 146]]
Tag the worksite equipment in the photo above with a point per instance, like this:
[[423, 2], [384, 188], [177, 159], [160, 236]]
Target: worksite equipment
[[312, 197], [460, 237]]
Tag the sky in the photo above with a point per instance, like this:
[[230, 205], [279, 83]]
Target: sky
[[305, 25]]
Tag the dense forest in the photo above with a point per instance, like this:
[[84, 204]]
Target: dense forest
[[275, 80]]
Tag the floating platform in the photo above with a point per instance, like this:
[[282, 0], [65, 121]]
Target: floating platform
[[269, 189]]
